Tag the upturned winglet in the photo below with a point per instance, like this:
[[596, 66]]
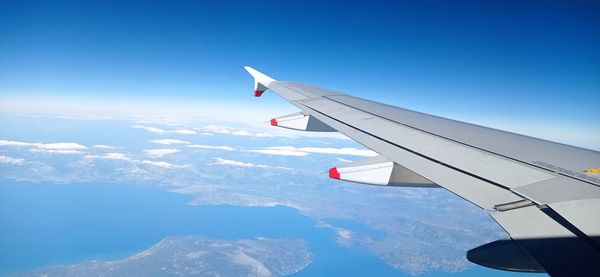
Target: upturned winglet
[[261, 81]]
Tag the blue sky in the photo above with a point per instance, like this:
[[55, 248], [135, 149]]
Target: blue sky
[[528, 66]]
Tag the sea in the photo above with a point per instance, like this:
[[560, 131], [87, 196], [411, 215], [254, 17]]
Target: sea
[[44, 224]]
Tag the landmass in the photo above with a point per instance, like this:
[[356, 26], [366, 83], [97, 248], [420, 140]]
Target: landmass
[[199, 256]]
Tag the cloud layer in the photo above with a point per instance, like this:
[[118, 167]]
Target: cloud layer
[[169, 141], [201, 146], [303, 151], [56, 148], [162, 131], [221, 161], [160, 152], [102, 146], [11, 160], [124, 157]]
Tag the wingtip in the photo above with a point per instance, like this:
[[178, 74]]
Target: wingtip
[[258, 76], [251, 70]]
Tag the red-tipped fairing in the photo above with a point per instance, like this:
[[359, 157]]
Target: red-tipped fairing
[[301, 122], [261, 81], [334, 173], [379, 171]]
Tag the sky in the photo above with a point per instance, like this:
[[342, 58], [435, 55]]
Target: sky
[[526, 66]]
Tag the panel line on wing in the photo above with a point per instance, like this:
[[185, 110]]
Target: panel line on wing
[[459, 142], [469, 190], [417, 153], [572, 228]]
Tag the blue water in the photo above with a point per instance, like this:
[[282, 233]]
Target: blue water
[[44, 224]]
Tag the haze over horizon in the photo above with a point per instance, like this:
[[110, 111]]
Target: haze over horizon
[[529, 67]]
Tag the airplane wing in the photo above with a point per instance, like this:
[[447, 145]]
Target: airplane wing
[[545, 195]]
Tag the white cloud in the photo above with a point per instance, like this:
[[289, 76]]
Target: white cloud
[[54, 148], [279, 152], [15, 143], [226, 148], [160, 152], [62, 146], [45, 146], [221, 161], [269, 132], [344, 234], [344, 160], [169, 141], [102, 146], [124, 157], [112, 156], [242, 133], [331, 150], [215, 129], [57, 151], [115, 156], [162, 164], [184, 132], [11, 160], [273, 135], [303, 151], [162, 131], [150, 129]]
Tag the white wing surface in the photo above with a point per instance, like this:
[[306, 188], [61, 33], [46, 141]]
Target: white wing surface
[[545, 195]]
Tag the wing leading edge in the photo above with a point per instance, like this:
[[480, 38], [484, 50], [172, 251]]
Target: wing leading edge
[[537, 190]]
